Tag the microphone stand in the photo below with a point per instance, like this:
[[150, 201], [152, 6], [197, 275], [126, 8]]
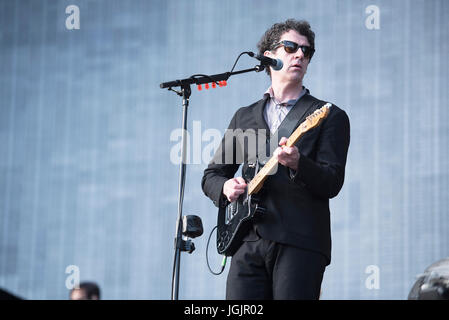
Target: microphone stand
[[184, 84]]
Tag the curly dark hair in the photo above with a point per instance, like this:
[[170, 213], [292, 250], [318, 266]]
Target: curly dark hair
[[273, 35]]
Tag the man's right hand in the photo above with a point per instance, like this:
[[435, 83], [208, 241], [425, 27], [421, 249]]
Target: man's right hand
[[233, 188]]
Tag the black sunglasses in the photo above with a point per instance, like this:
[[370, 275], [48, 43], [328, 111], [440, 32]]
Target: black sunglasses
[[292, 47]]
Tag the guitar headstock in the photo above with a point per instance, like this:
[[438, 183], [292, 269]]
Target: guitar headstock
[[315, 118]]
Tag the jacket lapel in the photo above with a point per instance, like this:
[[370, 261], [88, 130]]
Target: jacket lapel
[[293, 118], [258, 115]]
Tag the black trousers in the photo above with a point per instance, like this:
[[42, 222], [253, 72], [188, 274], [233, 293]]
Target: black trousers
[[265, 270]]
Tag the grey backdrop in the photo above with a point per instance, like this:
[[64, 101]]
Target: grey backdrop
[[86, 177]]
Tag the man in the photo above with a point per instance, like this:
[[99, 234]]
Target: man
[[286, 250], [86, 291]]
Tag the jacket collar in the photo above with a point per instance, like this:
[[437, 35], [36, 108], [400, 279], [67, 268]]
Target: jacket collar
[[258, 113]]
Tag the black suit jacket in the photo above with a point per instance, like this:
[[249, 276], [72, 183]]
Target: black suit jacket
[[297, 204]]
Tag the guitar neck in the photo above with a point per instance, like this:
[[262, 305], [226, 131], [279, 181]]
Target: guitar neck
[[269, 168], [257, 182]]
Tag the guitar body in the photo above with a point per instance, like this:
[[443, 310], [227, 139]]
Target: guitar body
[[234, 222]]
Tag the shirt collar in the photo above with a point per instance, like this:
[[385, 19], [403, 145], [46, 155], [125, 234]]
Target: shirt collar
[[269, 93]]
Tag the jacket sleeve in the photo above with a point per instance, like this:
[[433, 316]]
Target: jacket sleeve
[[324, 176], [222, 168]]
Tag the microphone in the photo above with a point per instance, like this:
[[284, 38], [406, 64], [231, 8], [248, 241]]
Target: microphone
[[276, 64]]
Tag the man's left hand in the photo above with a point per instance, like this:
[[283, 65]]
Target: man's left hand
[[287, 156]]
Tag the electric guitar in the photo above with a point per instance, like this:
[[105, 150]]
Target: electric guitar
[[234, 220]]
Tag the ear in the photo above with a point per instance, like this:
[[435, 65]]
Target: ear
[[268, 54]]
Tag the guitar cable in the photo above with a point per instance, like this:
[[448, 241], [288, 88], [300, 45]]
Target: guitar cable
[[223, 263]]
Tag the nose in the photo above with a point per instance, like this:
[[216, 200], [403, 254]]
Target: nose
[[299, 54]]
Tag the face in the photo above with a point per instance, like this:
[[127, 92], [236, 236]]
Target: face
[[295, 64]]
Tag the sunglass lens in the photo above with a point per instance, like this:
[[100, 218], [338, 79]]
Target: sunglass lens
[[290, 47], [307, 51]]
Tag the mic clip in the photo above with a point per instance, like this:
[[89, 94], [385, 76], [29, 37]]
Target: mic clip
[[259, 68]]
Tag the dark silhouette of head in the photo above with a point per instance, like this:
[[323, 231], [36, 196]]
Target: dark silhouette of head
[[86, 291]]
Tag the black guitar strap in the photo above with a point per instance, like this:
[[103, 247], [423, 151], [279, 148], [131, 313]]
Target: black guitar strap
[[302, 109]]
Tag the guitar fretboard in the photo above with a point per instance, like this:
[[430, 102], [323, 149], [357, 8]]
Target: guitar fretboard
[[312, 121]]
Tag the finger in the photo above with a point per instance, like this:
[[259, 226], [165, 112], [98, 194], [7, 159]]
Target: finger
[[283, 153], [240, 188], [284, 163], [239, 192], [234, 196], [288, 150], [240, 180], [284, 158], [283, 141]]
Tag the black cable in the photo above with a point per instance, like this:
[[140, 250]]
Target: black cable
[[203, 75], [223, 264], [193, 77], [176, 257], [235, 63], [232, 69]]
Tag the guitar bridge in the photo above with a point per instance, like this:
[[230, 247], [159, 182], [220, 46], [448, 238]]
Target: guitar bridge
[[259, 210]]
